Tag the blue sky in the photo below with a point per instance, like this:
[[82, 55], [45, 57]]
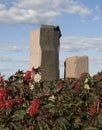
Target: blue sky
[[80, 23]]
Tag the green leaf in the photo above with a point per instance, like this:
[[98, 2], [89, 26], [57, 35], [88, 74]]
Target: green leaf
[[40, 128], [15, 127], [47, 126], [62, 124], [1, 127], [90, 128], [4, 129], [19, 115], [60, 128]]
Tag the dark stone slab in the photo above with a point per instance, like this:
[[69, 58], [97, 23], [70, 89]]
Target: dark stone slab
[[50, 43]]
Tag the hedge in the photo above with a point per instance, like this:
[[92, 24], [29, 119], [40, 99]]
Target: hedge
[[64, 104]]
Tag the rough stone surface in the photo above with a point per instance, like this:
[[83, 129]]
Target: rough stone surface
[[44, 51], [49, 42], [35, 49], [75, 66]]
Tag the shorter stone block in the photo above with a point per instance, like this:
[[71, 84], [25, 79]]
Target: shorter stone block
[[75, 66]]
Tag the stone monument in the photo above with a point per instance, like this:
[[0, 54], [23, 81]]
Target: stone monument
[[44, 51], [35, 49], [75, 66]]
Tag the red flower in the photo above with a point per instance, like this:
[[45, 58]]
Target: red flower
[[59, 87], [83, 75], [33, 69], [2, 105], [3, 94], [19, 100], [1, 81], [92, 110], [78, 119], [79, 111], [99, 78], [35, 107], [100, 110], [27, 76], [77, 86], [9, 104]]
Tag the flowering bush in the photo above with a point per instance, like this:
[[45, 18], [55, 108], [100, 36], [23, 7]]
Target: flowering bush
[[71, 104]]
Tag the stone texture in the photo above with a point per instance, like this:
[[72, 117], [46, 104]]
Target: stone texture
[[44, 51], [35, 49], [75, 66], [49, 42]]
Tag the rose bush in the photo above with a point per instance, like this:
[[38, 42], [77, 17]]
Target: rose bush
[[71, 104]]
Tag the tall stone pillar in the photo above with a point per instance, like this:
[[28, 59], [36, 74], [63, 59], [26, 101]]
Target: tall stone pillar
[[44, 51], [35, 49], [50, 43], [75, 66]]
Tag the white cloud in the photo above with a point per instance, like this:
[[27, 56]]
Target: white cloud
[[5, 59], [73, 44], [97, 8], [77, 9], [20, 41], [83, 20], [22, 60], [5, 69], [13, 48], [10, 48], [96, 18], [2, 6], [96, 60], [39, 12]]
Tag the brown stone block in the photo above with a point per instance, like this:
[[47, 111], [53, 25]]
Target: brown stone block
[[75, 66]]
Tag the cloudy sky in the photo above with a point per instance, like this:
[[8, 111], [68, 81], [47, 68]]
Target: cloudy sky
[[80, 23]]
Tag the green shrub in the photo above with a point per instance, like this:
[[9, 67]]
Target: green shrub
[[70, 104]]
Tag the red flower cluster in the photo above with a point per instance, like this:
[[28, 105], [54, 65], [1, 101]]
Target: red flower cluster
[[9, 104], [3, 94], [59, 87], [33, 70], [35, 107], [83, 75], [27, 76], [100, 110], [19, 101], [1, 81], [4, 103], [92, 110], [77, 86], [99, 78]]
